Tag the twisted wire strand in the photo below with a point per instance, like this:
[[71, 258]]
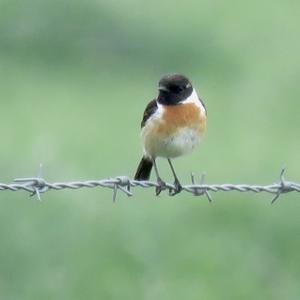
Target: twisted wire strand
[[38, 185]]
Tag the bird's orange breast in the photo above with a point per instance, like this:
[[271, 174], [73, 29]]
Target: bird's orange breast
[[180, 116]]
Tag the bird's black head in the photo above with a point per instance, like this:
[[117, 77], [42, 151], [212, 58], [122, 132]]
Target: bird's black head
[[173, 89]]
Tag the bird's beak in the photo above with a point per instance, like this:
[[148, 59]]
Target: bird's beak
[[163, 89]]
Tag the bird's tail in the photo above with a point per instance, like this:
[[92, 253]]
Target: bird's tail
[[144, 169]]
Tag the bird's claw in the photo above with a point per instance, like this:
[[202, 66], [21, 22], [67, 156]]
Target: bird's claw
[[160, 187], [177, 188]]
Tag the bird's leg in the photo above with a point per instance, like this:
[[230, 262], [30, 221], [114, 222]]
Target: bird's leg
[[161, 184], [177, 184]]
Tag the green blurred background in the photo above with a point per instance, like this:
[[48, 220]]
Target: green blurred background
[[75, 77]]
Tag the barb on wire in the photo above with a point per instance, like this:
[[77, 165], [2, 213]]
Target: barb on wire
[[38, 185], [203, 190]]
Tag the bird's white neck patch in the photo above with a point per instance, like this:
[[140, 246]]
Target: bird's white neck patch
[[193, 98]]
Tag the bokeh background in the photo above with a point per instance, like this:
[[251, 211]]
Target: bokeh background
[[75, 77]]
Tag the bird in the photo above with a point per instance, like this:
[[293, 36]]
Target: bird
[[173, 124]]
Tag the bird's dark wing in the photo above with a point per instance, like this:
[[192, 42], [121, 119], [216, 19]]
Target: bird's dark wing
[[149, 111]]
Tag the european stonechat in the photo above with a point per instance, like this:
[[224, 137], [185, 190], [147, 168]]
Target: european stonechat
[[172, 125]]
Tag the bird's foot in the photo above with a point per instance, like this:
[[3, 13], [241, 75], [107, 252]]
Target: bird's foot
[[177, 188], [161, 186]]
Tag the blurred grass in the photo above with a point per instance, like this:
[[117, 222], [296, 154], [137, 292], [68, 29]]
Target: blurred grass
[[75, 78]]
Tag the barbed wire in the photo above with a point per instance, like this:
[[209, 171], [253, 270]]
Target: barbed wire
[[38, 185]]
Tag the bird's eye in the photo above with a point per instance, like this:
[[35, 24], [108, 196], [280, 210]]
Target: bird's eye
[[178, 89]]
